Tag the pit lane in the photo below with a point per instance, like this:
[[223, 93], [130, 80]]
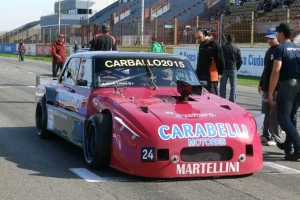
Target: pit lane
[[32, 168]]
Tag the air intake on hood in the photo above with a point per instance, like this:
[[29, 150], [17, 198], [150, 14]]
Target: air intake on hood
[[226, 106], [144, 109]]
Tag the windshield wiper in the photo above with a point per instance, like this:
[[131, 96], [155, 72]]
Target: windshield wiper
[[152, 77]]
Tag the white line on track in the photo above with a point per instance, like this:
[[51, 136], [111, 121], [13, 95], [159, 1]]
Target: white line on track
[[280, 169], [91, 177], [31, 86]]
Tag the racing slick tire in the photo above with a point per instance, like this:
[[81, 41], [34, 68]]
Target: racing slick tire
[[97, 141], [41, 119]]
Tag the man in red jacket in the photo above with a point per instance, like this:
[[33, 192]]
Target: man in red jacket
[[58, 54]]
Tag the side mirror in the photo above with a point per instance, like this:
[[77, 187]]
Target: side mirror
[[81, 82]]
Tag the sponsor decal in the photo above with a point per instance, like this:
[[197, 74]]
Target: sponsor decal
[[60, 114], [70, 99], [50, 119], [118, 140], [116, 83], [195, 115], [207, 130], [144, 62], [206, 142], [208, 168]]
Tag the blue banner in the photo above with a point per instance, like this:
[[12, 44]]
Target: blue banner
[[9, 48]]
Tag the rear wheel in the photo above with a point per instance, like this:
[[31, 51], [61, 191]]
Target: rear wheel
[[41, 119], [97, 141]]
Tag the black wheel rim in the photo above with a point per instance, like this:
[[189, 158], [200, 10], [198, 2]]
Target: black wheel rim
[[91, 142]]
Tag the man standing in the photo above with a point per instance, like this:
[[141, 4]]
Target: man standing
[[210, 64], [286, 69], [156, 47], [21, 49], [104, 41], [233, 63], [271, 133], [58, 54]]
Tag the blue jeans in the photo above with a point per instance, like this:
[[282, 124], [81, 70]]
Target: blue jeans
[[232, 75], [288, 102]]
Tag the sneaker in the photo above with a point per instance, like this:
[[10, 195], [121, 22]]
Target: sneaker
[[271, 143], [293, 157], [263, 139]]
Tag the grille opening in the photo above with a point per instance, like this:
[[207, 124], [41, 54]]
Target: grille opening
[[198, 154], [162, 154], [249, 150]]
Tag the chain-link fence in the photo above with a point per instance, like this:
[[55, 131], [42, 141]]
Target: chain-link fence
[[171, 32]]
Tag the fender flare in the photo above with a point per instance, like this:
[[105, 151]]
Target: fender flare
[[50, 95]]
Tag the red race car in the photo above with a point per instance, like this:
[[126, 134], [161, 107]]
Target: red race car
[[147, 114]]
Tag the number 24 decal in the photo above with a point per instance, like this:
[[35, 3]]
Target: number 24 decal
[[148, 154]]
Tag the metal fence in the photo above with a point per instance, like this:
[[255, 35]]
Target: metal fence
[[171, 32]]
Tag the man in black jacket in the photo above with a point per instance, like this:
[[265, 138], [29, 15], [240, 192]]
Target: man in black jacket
[[210, 64], [233, 63], [104, 41]]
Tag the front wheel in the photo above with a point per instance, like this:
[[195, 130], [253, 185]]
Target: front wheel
[[97, 141], [41, 119]]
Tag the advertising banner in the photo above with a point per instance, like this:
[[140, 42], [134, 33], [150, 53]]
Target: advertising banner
[[30, 49], [253, 59], [9, 48], [43, 50]]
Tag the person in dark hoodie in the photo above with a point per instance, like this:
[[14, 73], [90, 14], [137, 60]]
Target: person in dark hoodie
[[210, 64], [233, 63]]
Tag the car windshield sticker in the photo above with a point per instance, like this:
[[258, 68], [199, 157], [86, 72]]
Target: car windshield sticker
[[144, 62], [208, 168], [195, 115], [208, 130]]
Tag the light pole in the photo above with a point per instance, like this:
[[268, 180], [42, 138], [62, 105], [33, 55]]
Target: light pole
[[87, 12], [58, 16], [142, 22]]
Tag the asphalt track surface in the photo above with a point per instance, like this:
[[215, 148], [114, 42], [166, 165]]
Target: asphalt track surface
[[32, 168]]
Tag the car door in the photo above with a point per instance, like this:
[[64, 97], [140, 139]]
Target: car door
[[66, 99], [82, 91]]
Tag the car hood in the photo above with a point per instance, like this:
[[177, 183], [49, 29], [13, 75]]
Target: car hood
[[159, 113]]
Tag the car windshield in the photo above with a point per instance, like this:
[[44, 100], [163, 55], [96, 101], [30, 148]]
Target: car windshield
[[137, 72]]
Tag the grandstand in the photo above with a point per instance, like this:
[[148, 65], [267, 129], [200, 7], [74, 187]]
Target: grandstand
[[168, 20]]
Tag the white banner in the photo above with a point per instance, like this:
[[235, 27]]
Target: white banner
[[253, 59], [30, 49]]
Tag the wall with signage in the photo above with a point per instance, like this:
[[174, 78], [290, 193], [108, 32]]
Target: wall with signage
[[30, 49], [253, 59]]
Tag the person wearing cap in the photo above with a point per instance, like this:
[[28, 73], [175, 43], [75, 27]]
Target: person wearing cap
[[233, 63], [103, 41], [156, 46], [286, 69], [58, 54], [270, 134]]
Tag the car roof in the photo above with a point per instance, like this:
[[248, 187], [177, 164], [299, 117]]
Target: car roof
[[118, 54]]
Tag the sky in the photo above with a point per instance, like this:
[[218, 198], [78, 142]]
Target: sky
[[15, 13]]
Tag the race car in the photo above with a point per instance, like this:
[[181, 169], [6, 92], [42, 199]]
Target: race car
[[147, 114]]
